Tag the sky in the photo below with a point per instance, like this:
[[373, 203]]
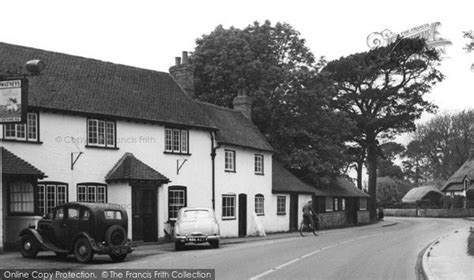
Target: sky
[[149, 34]]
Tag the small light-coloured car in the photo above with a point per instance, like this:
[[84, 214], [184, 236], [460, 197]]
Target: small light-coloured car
[[196, 225]]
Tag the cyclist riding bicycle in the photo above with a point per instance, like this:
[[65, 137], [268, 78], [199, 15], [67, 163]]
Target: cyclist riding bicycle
[[308, 213]]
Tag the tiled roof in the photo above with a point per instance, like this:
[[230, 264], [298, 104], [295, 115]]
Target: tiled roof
[[11, 164], [342, 187], [88, 86], [419, 193], [129, 168], [235, 128], [467, 169], [285, 182]]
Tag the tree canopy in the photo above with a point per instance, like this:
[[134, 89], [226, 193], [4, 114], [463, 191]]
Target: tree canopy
[[383, 93], [291, 105]]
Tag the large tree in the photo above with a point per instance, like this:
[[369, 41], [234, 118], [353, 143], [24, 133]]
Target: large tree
[[383, 92], [291, 106]]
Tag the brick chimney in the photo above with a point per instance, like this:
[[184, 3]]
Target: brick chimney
[[243, 103], [183, 73]]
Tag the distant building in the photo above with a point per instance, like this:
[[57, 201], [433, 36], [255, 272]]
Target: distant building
[[462, 180]]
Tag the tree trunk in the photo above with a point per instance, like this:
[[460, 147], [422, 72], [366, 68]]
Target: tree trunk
[[372, 169], [360, 166]]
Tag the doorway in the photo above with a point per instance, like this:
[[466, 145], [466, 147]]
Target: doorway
[[242, 215], [144, 214], [293, 212]]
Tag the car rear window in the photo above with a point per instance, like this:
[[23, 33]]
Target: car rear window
[[195, 214], [113, 215]]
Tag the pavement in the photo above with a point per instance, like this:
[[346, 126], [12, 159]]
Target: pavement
[[447, 257]]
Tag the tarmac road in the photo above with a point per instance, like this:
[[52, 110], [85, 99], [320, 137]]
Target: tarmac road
[[367, 252]]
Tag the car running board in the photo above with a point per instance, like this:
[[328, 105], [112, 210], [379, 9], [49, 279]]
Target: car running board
[[51, 247]]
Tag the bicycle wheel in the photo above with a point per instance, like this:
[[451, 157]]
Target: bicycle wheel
[[302, 229], [314, 229]]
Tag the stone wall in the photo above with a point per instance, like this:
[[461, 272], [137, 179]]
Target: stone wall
[[332, 220], [433, 213]]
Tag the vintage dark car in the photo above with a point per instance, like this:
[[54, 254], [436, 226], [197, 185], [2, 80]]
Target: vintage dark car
[[82, 229]]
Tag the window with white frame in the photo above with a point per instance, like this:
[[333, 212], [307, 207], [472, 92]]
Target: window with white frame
[[258, 164], [92, 192], [343, 204], [176, 200], [101, 133], [229, 161], [21, 198], [27, 131], [329, 204], [259, 205], [50, 195], [281, 205], [176, 141], [362, 204], [228, 206], [336, 204]]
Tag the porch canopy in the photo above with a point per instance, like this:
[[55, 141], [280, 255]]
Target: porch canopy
[[13, 165], [131, 169]]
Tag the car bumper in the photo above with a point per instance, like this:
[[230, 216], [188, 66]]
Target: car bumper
[[196, 239]]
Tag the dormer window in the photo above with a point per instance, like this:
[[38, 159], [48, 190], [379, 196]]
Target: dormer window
[[467, 183]]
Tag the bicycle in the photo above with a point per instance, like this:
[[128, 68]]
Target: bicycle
[[306, 226]]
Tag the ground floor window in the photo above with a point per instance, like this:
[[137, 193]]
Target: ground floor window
[[343, 204], [363, 204], [281, 205], [228, 206], [329, 204], [176, 200], [259, 205], [92, 192], [22, 198], [50, 195], [336, 204]]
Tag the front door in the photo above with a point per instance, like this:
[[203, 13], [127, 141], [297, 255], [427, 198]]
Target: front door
[[293, 212], [144, 214], [242, 214]]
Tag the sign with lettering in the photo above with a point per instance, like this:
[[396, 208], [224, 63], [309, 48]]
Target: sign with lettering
[[429, 32], [13, 100]]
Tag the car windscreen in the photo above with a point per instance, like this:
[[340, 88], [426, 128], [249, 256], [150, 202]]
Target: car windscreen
[[112, 215], [195, 214]]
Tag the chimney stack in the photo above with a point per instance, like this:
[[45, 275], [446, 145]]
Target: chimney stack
[[243, 103], [183, 74], [471, 154]]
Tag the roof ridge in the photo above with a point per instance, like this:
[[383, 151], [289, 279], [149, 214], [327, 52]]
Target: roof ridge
[[217, 106], [85, 58]]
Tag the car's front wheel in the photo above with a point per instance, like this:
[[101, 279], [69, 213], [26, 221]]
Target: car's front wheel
[[83, 250], [118, 257], [29, 247]]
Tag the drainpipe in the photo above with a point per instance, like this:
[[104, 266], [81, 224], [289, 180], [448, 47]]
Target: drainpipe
[[213, 158]]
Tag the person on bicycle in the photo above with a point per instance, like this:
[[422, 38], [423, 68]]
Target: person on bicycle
[[308, 213]]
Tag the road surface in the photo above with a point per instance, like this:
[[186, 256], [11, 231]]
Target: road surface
[[367, 252]]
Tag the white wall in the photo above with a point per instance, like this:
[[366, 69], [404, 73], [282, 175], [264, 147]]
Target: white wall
[[244, 180], [279, 222], [146, 141]]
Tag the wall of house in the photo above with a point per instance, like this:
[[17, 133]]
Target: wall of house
[[363, 217], [333, 220], [281, 223], [62, 135], [244, 180]]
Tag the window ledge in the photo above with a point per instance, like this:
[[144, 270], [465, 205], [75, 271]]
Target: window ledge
[[101, 147], [229, 219], [281, 214], [260, 214], [21, 141], [230, 171], [178, 154], [260, 174]]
